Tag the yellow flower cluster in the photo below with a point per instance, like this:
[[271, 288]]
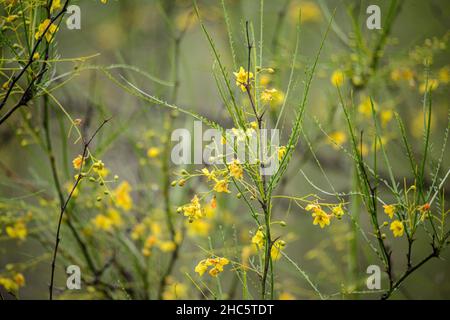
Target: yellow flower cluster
[[397, 228], [155, 237], [78, 162], [321, 218], [236, 170], [107, 222], [337, 139], [18, 230], [337, 78], [122, 196], [13, 284], [243, 78], [193, 210], [275, 250], [175, 290], [217, 265], [48, 28]]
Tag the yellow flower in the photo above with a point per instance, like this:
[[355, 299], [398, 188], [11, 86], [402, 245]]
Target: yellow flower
[[337, 78], [221, 186], [138, 231], [264, 80], [312, 206], [201, 267], [8, 284], [11, 18], [148, 245], [258, 239], [363, 149], [386, 116], [337, 139], [193, 210], [389, 209], [78, 162], [56, 4], [102, 222], [338, 212], [310, 12], [210, 175], [444, 74], [167, 246], [236, 170], [277, 99], [175, 290], [216, 263], [286, 296], [275, 250], [281, 152], [199, 228], [19, 279], [424, 211], [365, 107], [243, 78], [153, 152], [115, 217], [52, 28], [17, 231], [122, 196], [397, 228], [433, 84], [321, 218], [268, 95], [403, 74]]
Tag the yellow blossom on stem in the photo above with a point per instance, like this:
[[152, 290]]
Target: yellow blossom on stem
[[210, 175], [365, 107], [48, 28], [275, 250], [337, 139], [221, 186], [286, 296], [103, 222], [8, 284], [444, 74], [338, 212], [281, 152], [153, 152], [236, 170], [17, 231], [122, 196], [320, 218], [193, 210], [258, 239], [77, 162], [217, 265], [432, 85], [166, 246], [268, 95], [138, 231], [148, 245], [200, 228], [397, 228], [337, 78], [242, 78], [389, 209], [19, 279], [56, 4]]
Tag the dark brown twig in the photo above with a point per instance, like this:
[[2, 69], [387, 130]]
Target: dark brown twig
[[63, 208]]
